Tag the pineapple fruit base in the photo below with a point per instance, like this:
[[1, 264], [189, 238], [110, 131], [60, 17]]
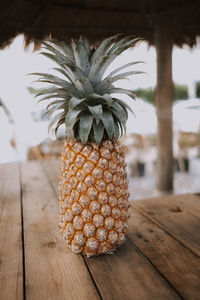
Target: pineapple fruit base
[[93, 197]]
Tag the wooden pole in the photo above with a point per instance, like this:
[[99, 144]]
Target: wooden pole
[[164, 96]]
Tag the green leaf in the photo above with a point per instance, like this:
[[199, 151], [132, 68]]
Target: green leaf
[[126, 45], [109, 80], [96, 111], [60, 122], [122, 91], [108, 99], [121, 114], [85, 127], [64, 47], [58, 53], [108, 123], [103, 47], [49, 78], [54, 108], [71, 117], [51, 90], [75, 102], [62, 96], [122, 119], [56, 119], [98, 130], [116, 130], [123, 104], [81, 56], [70, 120], [124, 67], [97, 69], [56, 102], [119, 43], [82, 82], [60, 70]]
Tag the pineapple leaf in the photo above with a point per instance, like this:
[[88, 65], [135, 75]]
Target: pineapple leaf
[[70, 120], [66, 49], [125, 105], [55, 120], [60, 122], [107, 82], [86, 44], [97, 69], [122, 91], [119, 111], [118, 44], [124, 67], [54, 108], [96, 111], [66, 58], [108, 123], [116, 130], [85, 126], [75, 102], [125, 46], [55, 102], [51, 90], [82, 81], [84, 99], [120, 117], [108, 99], [98, 130], [103, 48], [57, 96], [81, 56], [64, 73]]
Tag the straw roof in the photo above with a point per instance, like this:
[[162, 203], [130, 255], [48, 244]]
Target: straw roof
[[97, 19]]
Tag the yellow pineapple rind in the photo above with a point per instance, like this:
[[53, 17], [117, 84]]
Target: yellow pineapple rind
[[93, 197]]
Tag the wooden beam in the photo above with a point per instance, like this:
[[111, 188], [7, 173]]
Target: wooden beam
[[164, 97]]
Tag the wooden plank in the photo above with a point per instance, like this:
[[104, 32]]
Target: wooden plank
[[52, 271], [178, 264], [11, 266], [188, 202], [126, 274], [51, 167], [175, 217]]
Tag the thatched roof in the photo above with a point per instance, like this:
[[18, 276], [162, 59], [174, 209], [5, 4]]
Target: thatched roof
[[97, 19]]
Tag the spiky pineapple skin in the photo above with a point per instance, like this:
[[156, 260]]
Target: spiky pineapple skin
[[93, 197]]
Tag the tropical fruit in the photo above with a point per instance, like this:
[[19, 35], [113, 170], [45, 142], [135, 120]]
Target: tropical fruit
[[93, 189]]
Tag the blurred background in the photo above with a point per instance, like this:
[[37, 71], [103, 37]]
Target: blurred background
[[24, 129]]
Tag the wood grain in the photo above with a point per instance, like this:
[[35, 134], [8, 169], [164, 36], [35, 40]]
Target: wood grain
[[128, 275], [178, 264], [52, 271], [52, 171], [175, 217], [11, 270]]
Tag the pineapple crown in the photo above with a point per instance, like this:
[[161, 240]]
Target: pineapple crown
[[83, 98]]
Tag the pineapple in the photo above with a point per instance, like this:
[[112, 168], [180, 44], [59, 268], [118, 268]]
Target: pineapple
[[93, 188]]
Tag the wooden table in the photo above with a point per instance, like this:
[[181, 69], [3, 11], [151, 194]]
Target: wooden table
[[160, 259]]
